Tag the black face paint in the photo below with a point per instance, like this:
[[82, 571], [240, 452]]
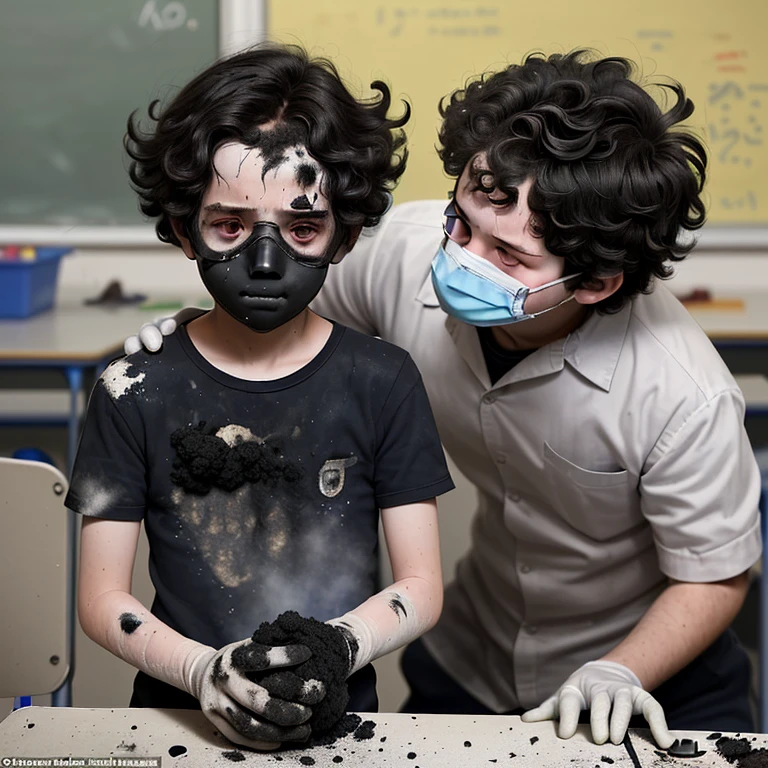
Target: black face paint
[[301, 203], [306, 175]]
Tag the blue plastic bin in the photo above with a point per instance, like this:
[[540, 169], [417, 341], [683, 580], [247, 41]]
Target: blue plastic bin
[[29, 287]]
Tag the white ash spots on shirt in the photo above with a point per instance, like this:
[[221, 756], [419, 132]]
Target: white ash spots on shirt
[[96, 497], [233, 434], [117, 380]]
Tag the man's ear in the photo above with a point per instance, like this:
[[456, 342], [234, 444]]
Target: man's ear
[[180, 232], [598, 289], [349, 245]]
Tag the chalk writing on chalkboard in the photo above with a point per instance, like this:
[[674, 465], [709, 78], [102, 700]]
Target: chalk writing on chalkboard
[[444, 21], [736, 144], [166, 18]]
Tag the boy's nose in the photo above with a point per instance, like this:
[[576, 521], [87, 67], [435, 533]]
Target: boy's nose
[[264, 259]]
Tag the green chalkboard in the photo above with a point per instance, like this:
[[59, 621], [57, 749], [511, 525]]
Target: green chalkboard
[[72, 72]]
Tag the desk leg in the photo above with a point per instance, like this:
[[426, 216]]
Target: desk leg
[[63, 696]]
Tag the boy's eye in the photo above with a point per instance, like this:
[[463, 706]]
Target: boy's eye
[[303, 232], [228, 227]]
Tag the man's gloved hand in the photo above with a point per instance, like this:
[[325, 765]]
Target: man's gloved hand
[[242, 710], [610, 691], [150, 336]]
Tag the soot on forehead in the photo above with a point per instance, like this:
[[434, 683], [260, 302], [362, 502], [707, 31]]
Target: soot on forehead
[[303, 203], [306, 175], [274, 142]]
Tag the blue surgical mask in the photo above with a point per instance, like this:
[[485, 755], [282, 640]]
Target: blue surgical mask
[[472, 289]]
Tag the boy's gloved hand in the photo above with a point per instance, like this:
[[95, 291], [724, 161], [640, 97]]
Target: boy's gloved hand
[[150, 336], [242, 710], [610, 691]]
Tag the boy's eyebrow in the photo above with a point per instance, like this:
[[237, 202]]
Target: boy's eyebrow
[[303, 214], [504, 243]]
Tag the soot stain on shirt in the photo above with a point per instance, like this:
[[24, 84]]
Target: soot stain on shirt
[[129, 623], [206, 460], [121, 377]]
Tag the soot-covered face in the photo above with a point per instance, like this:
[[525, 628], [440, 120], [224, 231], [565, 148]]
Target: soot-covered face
[[264, 234]]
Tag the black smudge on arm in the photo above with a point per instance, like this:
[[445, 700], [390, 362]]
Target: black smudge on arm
[[397, 606], [129, 623]]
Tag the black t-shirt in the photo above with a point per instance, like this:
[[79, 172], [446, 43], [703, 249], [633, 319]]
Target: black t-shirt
[[258, 496], [498, 359]]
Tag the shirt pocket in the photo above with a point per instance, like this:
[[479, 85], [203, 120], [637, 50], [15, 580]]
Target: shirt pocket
[[600, 505]]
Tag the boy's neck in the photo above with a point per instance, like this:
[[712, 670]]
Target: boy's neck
[[246, 354]]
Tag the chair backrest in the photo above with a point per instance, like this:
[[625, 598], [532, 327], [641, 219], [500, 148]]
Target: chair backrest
[[34, 568]]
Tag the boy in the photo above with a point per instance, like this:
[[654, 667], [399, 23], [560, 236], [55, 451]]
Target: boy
[[260, 446]]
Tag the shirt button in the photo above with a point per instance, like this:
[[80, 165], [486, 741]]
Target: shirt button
[[525, 568], [489, 398], [501, 458]]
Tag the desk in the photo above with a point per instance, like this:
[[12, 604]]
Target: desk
[[423, 741], [740, 327], [79, 341]]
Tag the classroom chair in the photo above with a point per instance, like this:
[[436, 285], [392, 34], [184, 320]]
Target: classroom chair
[[35, 561]]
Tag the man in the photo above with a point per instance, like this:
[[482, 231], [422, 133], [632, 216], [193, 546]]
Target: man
[[618, 495]]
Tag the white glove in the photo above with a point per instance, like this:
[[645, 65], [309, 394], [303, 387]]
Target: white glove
[[150, 336], [608, 690], [242, 710]]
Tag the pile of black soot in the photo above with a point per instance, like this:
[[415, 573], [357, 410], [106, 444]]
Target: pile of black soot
[[741, 753], [329, 663]]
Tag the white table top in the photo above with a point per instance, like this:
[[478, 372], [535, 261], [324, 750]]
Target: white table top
[[724, 323], [74, 331], [398, 741]]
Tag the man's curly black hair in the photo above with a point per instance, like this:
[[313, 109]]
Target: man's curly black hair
[[361, 150], [613, 184]]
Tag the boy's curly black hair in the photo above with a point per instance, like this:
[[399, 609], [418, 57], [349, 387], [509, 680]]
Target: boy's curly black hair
[[361, 150], [613, 184]]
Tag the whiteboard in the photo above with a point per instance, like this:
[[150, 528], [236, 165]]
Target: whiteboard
[[424, 49]]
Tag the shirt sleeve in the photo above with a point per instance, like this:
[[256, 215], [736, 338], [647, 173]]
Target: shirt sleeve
[[347, 296], [410, 463], [109, 476], [701, 495]]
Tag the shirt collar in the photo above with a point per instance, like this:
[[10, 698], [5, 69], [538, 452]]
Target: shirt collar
[[594, 348]]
